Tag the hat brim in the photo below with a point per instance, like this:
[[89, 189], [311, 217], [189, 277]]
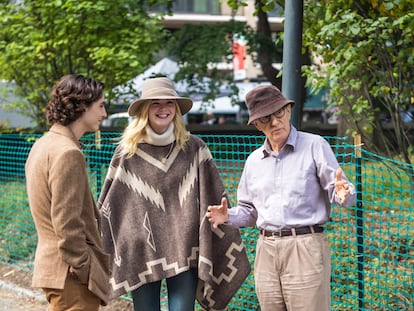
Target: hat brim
[[184, 104], [269, 109]]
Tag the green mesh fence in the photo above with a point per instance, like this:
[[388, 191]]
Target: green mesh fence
[[372, 245]]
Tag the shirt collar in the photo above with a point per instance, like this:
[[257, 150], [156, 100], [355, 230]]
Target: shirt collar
[[291, 141]]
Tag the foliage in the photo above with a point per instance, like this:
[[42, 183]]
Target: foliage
[[367, 60], [3, 125], [40, 41], [197, 47], [366, 53], [16, 226]]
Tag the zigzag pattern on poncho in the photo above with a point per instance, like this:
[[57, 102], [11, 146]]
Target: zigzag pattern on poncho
[[154, 225]]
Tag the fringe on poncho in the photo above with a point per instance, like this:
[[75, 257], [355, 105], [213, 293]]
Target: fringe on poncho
[[154, 224]]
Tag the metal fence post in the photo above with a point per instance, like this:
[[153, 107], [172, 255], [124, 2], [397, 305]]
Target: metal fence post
[[360, 223]]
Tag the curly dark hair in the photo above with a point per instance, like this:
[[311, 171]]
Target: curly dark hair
[[69, 97]]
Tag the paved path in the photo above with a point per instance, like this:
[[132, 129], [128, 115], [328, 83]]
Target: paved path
[[14, 298]]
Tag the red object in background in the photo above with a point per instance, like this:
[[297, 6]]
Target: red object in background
[[239, 55]]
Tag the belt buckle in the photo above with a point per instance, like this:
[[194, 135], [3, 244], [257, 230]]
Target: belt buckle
[[277, 233]]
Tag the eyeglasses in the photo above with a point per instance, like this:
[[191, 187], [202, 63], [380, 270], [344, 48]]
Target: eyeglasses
[[278, 115]]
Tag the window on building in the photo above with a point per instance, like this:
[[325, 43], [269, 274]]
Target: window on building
[[211, 7]]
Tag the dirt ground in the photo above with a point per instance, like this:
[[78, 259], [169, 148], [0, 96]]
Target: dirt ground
[[10, 300], [17, 295]]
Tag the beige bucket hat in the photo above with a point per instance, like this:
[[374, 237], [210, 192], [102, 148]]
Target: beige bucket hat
[[160, 88]]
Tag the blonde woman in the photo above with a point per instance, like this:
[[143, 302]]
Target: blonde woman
[[153, 203]]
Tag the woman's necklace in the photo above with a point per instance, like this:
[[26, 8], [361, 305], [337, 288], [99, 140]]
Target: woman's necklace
[[164, 159]]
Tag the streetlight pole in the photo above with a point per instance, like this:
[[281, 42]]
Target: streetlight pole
[[292, 55]]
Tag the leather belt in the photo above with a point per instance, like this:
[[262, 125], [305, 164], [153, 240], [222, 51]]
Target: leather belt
[[292, 231]]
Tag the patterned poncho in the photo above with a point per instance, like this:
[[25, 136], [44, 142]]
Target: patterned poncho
[[153, 207]]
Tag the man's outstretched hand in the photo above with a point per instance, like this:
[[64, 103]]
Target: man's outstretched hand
[[217, 214], [341, 186]]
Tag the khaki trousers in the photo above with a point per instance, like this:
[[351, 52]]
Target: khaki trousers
[[73, 297], [293, 273]]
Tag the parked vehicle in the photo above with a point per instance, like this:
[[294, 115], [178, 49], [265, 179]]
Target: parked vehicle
[[219, 111], [117, 120]]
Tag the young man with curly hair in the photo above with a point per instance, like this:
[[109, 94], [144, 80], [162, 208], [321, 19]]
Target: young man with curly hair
[[70, 264]]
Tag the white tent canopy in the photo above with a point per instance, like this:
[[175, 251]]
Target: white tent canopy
[[130, 90], [165, 67], [219, 105]]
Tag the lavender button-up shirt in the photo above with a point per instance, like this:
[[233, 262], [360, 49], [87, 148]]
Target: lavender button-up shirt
[[293, 188]]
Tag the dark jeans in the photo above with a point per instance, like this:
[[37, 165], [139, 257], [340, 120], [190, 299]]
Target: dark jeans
[[181, 293]]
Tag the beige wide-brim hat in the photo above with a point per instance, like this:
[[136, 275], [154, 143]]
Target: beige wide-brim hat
[[160, 88]]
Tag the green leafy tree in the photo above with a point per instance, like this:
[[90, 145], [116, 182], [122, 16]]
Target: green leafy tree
[[42, 40], [365, 49], [363, 52], [196, 47]]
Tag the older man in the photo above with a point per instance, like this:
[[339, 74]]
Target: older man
[[286, 190]]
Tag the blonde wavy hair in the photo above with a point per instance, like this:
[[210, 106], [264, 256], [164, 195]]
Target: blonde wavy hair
[[135, 132]]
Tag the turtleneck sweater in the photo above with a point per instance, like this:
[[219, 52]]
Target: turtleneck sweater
[[156, 139]]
